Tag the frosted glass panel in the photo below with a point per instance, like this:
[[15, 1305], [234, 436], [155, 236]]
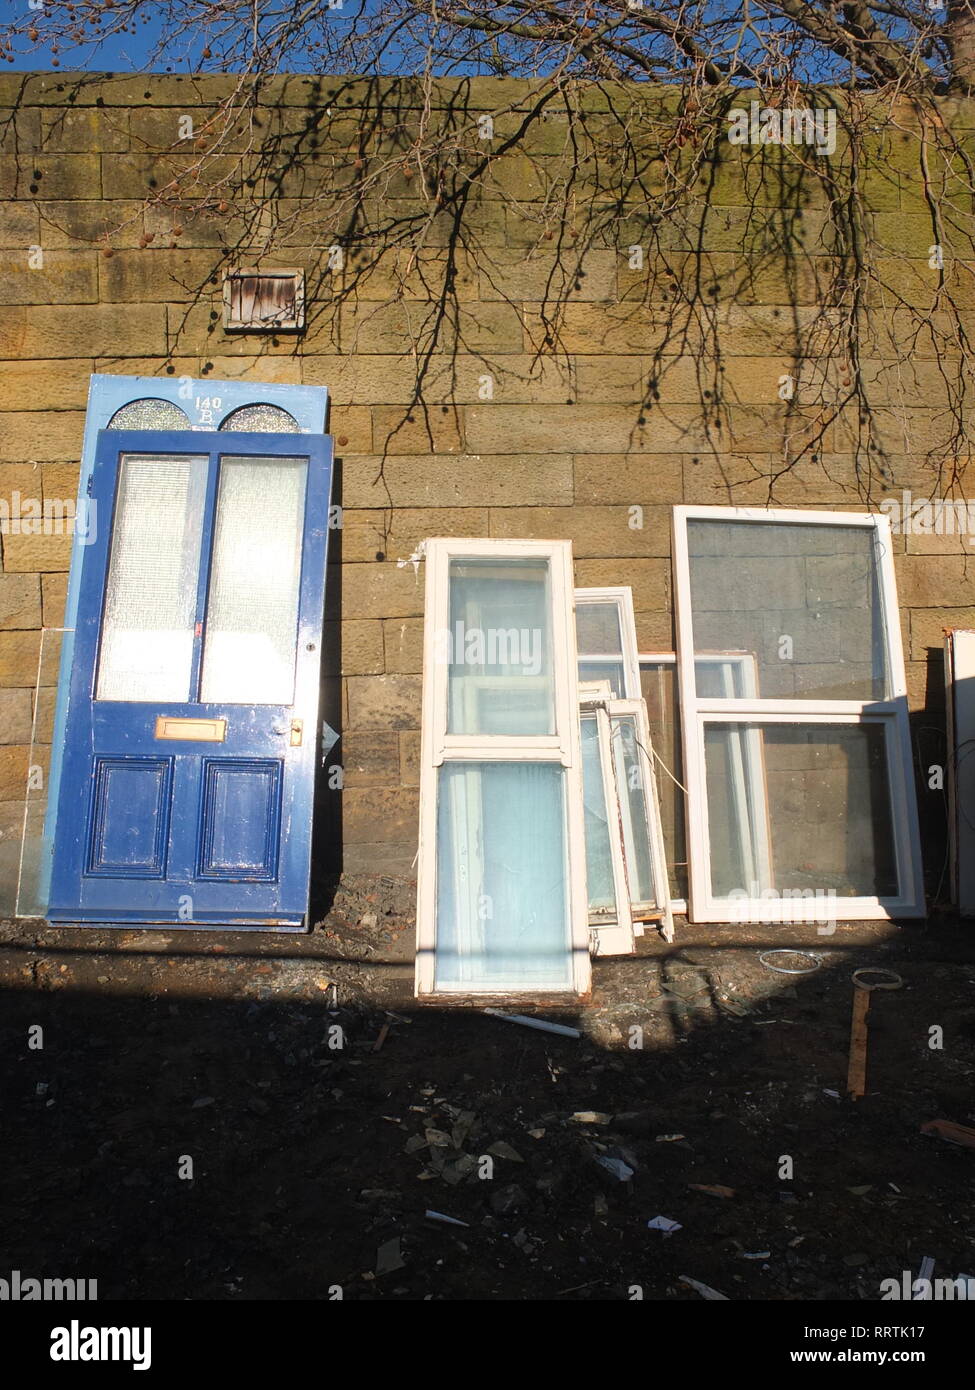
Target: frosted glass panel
[[149, 414], [599, 861], [499, 648], [150, 604], [502, 890], [252, 612], [634, 804], [261, 419], [796, 605]]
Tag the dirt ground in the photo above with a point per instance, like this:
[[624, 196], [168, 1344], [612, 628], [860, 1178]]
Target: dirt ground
[[326, 1114]]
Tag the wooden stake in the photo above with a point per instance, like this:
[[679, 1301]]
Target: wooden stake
[[856, 1080]]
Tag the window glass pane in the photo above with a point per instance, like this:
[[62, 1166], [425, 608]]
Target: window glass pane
[[658, 682], [261, 419], [726, 677], [611, 671], [599, 862], [797, 603], [800, 809], [499, 647], [502, 889], [149, 414], [252, 610], [598, 629], [633, 794], [150, 601]]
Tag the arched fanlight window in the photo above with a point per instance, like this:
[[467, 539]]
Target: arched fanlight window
[[149, 414], [261, 419]]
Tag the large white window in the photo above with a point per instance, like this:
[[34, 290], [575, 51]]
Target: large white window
[[502, 889], [796, 743]]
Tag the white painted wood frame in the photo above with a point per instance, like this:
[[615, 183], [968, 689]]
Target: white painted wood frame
[[563, 748], [609, 938], [669, 659], [661, 905], [621, 596], [891, 713], [747, 757]]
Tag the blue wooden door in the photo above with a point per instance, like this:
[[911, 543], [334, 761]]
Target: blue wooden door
[[190, 736]]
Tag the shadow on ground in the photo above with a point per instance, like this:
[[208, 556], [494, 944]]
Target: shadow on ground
[[309, 1158]]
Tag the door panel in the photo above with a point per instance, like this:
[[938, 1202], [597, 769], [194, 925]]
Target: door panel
[[193, 706], [241, 816], [129, 824]]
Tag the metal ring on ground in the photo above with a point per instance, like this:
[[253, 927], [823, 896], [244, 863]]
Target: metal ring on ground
[[893, 980], [784, 969]]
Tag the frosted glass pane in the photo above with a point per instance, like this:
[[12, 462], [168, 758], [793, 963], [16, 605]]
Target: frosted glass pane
[[149, 414], [261, 419], [502, 889], [599, 863], [255, 576], [799, 808], [499, 648], [797, 604], [150, 603], [634, 803]]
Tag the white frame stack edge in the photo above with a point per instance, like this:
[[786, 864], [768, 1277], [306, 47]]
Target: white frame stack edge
[[609, 938], [663, 907], [960, 703]]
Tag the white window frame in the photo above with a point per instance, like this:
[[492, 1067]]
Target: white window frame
[[437, 747], [661, 907], [749, 769], [609, 938], [892, 713], [670, 659], [621, 596]]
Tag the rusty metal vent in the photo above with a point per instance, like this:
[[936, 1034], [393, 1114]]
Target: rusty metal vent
[[264, 301]]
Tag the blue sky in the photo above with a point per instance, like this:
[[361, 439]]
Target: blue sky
[[133, 52], [122, 53]]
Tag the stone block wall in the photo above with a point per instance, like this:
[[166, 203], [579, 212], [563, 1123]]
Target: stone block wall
[[590, 429]]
